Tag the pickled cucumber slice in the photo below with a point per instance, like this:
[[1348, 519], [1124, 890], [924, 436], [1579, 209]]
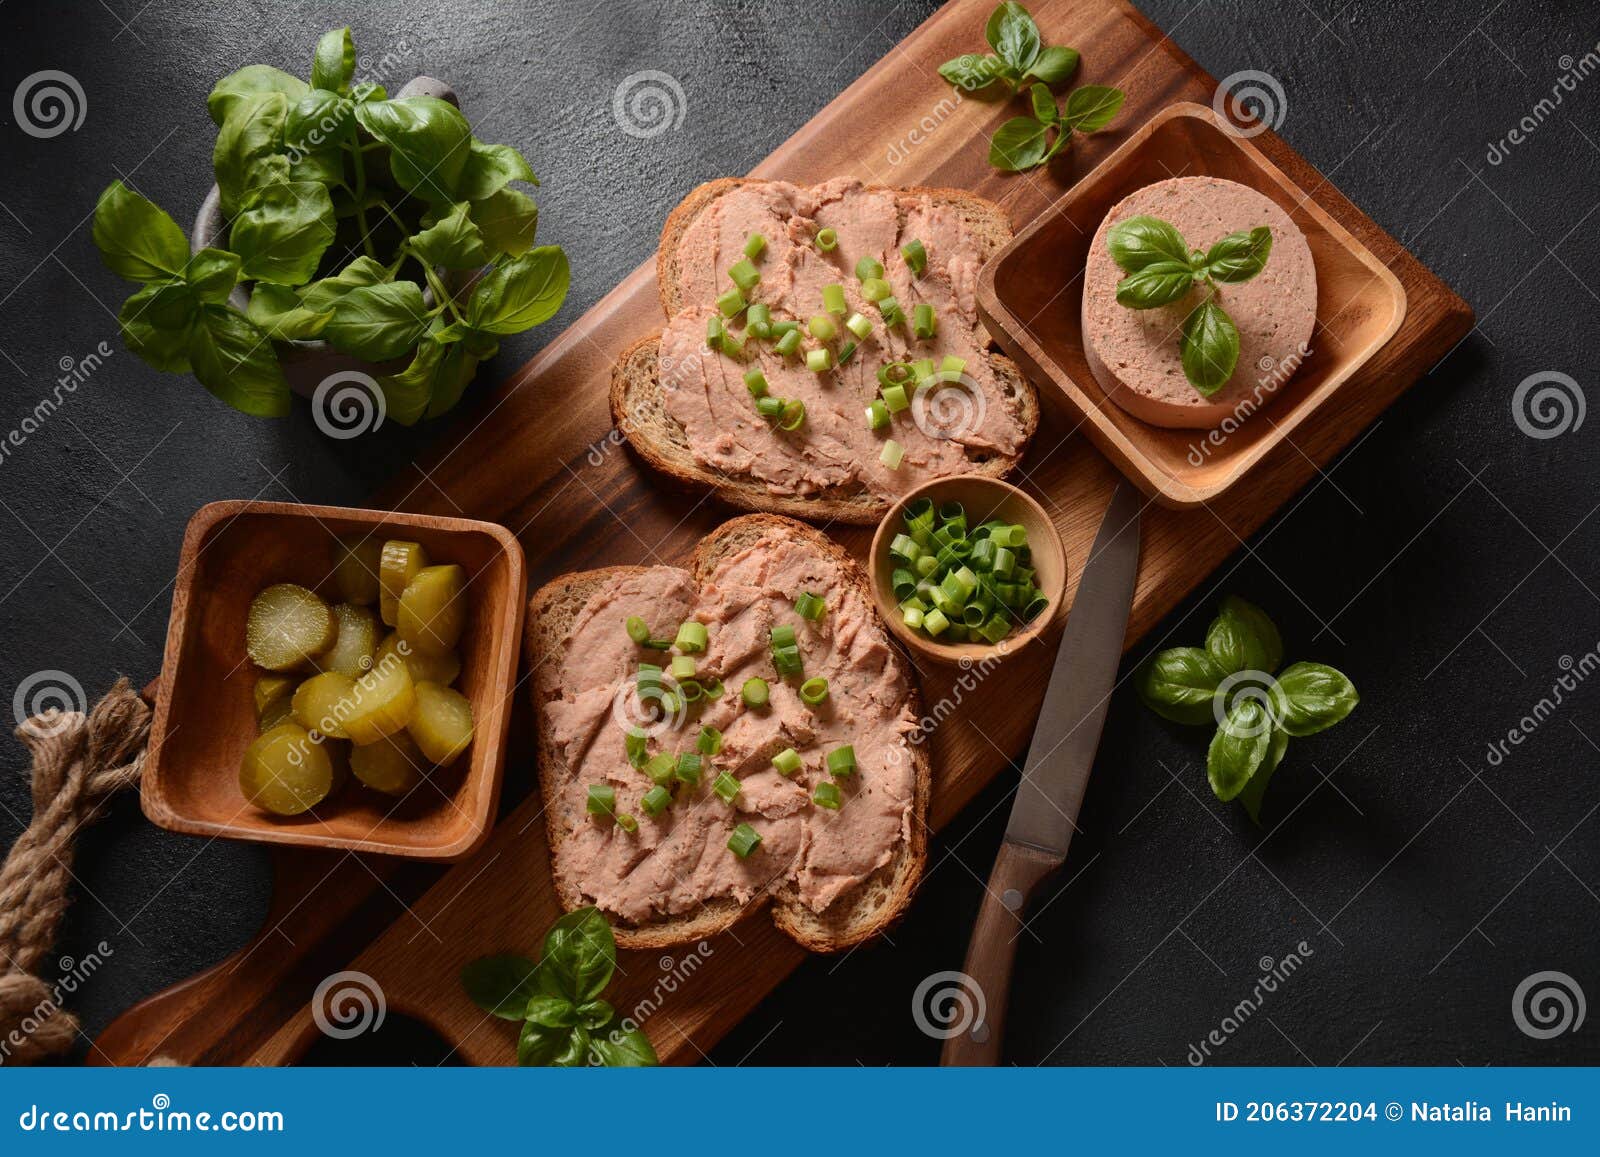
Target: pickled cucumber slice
[[286, 626], [383, 700], [393, 765], [425, 668], [323, 702], [280, 710], [433, 608], [339, 760], [400, 563], [285, 771], [269, 688], [357, 640], [356, 562], [441, 723]]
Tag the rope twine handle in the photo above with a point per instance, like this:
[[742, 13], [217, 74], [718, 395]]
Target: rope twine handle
[[79, 761]]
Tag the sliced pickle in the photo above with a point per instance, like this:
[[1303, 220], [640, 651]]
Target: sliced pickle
[[383, 700], [287, 625], [322, 703], [393, 765], [269, 688], [280, 710], [433, 608], [425, 668], [401, 562], [351, 653], [441, 723], [285, 771], [357, 559], [339, 759]]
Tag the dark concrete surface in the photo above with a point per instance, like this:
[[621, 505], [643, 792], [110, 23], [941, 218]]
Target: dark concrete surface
[[1447, 562]]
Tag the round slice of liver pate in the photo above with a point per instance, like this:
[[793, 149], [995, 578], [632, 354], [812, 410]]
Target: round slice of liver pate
[[1134, 353]]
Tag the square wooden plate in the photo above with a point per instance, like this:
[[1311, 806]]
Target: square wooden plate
[[1030, 297], [205, 713]]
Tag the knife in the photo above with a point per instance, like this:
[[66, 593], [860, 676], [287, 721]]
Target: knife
[[1044, 813]]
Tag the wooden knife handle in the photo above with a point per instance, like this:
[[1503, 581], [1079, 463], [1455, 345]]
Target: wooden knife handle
[[1018, 869]]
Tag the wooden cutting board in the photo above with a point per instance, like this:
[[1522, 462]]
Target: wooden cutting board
[[542, 458]]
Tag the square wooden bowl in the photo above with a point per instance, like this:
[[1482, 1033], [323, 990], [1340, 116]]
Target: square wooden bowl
[[205, 712], [1031, 294]]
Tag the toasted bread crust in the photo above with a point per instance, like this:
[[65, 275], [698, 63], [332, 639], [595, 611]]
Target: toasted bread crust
[[870, 908]]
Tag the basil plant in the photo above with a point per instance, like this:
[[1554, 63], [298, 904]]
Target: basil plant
[[341, 206]]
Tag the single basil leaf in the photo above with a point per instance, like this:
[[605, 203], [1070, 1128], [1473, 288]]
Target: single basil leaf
[[1012, 33], [500, 985], [538, 1046], [579, 957], [137, 240], [595, 1014], [1157, 284], [318, 120], [279, 310], [1141, 241], [253, 130], [619, 1047], [251, 80], [1239, 256], [429, 142], [406, 395], [976, 75], [323, 295], [1312, 697], [1054, 66], [551, 1011], [1090, 108], [234, 359], [520, 294], [1256, 789], [576, 1050], [334, 62], [1239, 748], [282, 232], [507, 221], [489, 168], [453, 242], [378, 322], [456, 367], [1179, 684], [1044, 104], [1210, 347], [156, 323], [1249, 636], [1020, 144], [212, 274]]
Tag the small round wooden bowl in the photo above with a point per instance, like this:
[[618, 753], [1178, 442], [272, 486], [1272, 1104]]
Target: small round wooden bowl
[[984, 498]]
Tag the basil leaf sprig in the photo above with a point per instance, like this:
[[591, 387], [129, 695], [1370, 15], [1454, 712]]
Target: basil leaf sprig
[[1020, 58], [1230, 682], [342, 206], [1162, 269], [559, 999]]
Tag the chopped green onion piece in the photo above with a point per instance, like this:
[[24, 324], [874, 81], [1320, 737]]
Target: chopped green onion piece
[[691, 638], [974, 614], [894, 397], [755, 246], [786, 659], [754, 692], [1035, 605], [787, 761], [709, 741], [827, 240], [690, 691], [875, 289], [789, 342], [745, 275], [923, 323], [822, 327], [891, 454], [809, 606], [689, 766], [655, 801], [682, 667], [842, 761], [626, 822], [819, 361], [793, 415], [826, 795], [638, 629], [983, 552], [904, 548], [657, 644], [602, 799], [779, 328], [635, 743], [769, 407], [955, 588], [756, 382], [926, 565], [1005, 562], [877, 414], [950, 365], [730, 303], [726, 787], [744, 840], [860, 325], [893, 315], [1012, 536], [904, 583], [894, 374], [934, 622], [913, 617], [783, 635], [915, 602], [661, 767], [758, 320], [923, 369], [958, 633], [997, 628], [916, 257], [846, 352], [833, 299], [714, 331], [868, 266], [813, 691], [714, 689]]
